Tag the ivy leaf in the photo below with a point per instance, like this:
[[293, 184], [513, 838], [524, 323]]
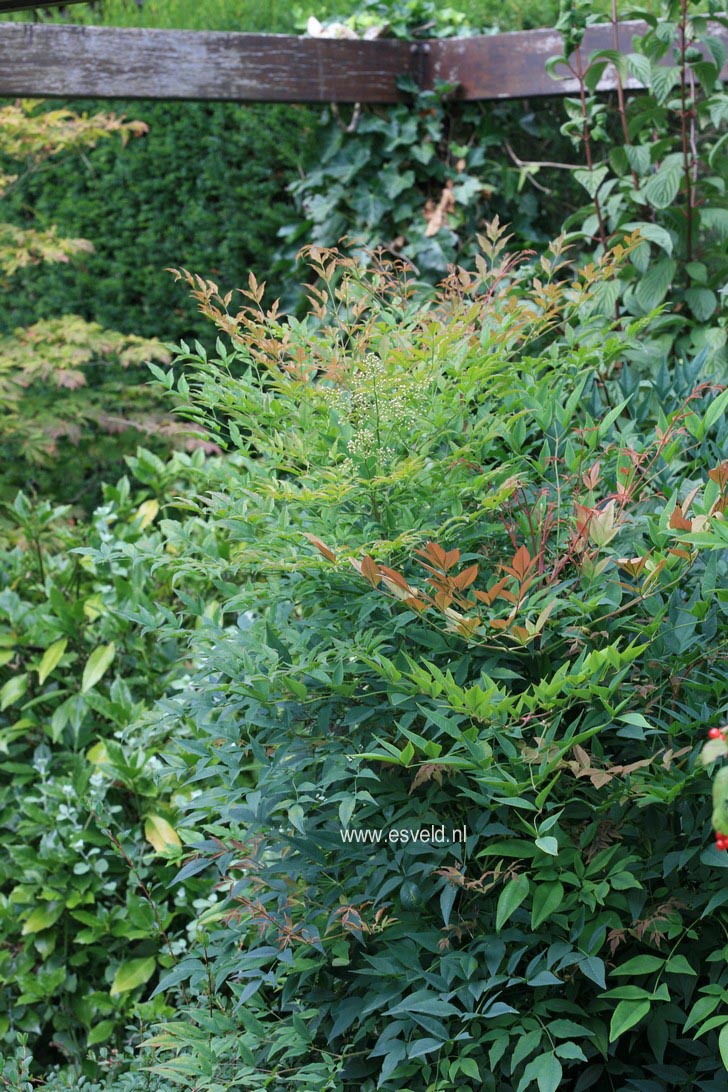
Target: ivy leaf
[[132, 973], [97, 664]]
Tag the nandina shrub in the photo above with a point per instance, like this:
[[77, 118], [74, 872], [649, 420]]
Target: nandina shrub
[[467, 577]]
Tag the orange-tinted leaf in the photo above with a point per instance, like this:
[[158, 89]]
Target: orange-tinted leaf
[[321, 547], [719, 475], [678, 521], [466, 577], [370, 571]]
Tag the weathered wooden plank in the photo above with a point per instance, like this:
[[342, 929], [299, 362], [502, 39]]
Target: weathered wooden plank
[[48, 60], [512, 66], [21, 5]]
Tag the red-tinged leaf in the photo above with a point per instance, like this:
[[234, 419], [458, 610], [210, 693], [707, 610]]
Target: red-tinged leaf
[[719, 475], [443, 600], [522, 563], [434, 553], [370, 571], [466, 577], [321, 547], [633, 565], [394, 576], [415, 603], [678, 521], [493, 593], [451, 558]]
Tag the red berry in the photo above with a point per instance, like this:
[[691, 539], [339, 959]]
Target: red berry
[[715, 733]]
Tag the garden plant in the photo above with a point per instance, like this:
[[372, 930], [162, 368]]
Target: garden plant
[[379, 740]]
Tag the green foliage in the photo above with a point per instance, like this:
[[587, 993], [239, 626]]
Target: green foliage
[[421, 178], [461, 583], [665, 174], [87, 919], [65, 383], [205, 188]]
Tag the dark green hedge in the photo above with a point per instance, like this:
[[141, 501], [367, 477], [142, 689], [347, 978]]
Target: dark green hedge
[[205, 189]]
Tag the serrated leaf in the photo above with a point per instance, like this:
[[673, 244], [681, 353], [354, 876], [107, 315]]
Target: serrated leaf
[[160, 834], [662, 80], [661, 188], [652, 288], [51, 658], [702, 302], [591, 180], [131, 974], [653, 233], [97, 665]]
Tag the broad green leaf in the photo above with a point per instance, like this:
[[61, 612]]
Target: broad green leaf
[[547, 898], [652, 232], [160, 834], [545, 1070], [51, 658], [591, 180], [723, 1046], [548, 845], [423, 1046], [97, 664], [346, 810], [295, 814], [702, 302], [641, 964], [678, 964], [661, 188], [132, 973], [716, 410], [13, 691], [511, 897], [652, 288], [101, 1032], [625, 1016], [147, 512], [42, 918]]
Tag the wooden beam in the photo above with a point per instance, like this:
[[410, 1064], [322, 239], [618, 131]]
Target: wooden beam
[[45, 60], [52, 60], [513, 66], [21, 5]]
